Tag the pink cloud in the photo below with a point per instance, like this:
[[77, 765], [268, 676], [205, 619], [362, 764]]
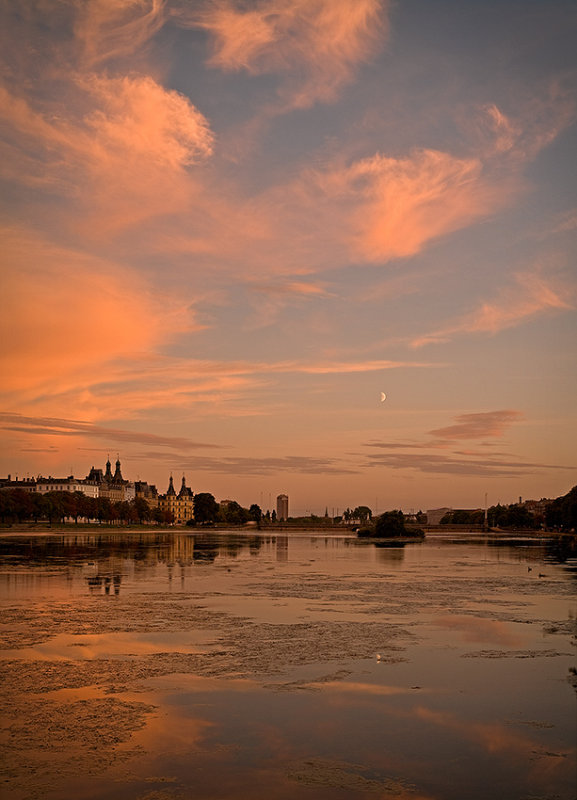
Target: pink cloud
[[532, 295], [401, 204], [107, 29], [49, 426], [479, 425], [291, 289], [124, 161], [318, 44], [67, 315]]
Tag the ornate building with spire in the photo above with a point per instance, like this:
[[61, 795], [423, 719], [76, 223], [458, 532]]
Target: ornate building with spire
[[179, 506], [113, 487]]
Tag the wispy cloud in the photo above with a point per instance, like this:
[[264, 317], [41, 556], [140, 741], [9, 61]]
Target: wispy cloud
[[68, 314], [49, 426], [235, 465], [466, 463], [107, 29], [291, 289], [316, 45], [401, 204], [482, 425], [120, 164], [567, 222], [434, 463], [532, 295]]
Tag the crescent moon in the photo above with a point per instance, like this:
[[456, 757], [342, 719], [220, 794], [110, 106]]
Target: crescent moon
[[383, 397]]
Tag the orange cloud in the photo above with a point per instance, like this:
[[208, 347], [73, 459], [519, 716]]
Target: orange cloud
[[67, 315], [106, 29], [531, 296], [318, 42], [123, 162], [479, 425], [401, 204], [50, 426]]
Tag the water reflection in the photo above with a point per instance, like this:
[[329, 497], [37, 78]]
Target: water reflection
[[97, 583], [110, 556], [204, 664]]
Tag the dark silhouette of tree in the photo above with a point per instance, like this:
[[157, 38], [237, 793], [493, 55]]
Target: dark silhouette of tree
[[104, 510], [562, 512], [255, 512], [233, 514], [141, 509], [511, 516], [205, 508], [391, 523], [362, 513]]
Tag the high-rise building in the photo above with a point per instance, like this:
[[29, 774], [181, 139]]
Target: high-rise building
[[282, 507]]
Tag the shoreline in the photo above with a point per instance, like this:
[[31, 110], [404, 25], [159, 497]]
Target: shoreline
[[432, 532]]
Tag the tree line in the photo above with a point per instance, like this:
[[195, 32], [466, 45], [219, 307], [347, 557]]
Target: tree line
[[18, 505], [559, 514]]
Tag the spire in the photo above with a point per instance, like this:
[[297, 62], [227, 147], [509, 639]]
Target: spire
[[117, 474], [184, 490], [171, 491], [108, 473]]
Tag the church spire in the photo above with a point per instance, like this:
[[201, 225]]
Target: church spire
[[171, 491], [117, 474], [184, 490]]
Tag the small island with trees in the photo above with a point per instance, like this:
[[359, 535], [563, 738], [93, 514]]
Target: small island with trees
[[390, 525]]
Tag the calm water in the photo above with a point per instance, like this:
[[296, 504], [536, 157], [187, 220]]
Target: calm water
[[169, 666]]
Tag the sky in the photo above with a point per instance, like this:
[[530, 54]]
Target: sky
[[229, 225]]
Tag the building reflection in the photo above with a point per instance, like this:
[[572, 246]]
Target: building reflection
[[103, 559], [282, 545], [102, 584]]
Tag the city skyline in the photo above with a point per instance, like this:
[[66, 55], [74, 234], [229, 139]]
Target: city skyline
[[323, 248]]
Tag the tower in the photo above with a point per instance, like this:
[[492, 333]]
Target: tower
[[108, 473], [282, 507], [117, 473]]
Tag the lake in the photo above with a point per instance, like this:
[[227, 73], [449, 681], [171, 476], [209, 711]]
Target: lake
[[172, 665]]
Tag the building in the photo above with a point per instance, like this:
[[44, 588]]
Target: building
[[435, 515], [282, 507], [147, 491], [28, 484], [181, 505], [112, 487], [69, 484], [42, 485]]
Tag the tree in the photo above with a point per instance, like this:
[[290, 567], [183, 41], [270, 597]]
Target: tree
[[104, 510], [391, 523], [124, 511], [141, 509], [39, 506], [362, 513], [562, 512], [233, 514], [255, 512], [512, 516], [205, 507], [7, 505], [87, 506], [55, 506]]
